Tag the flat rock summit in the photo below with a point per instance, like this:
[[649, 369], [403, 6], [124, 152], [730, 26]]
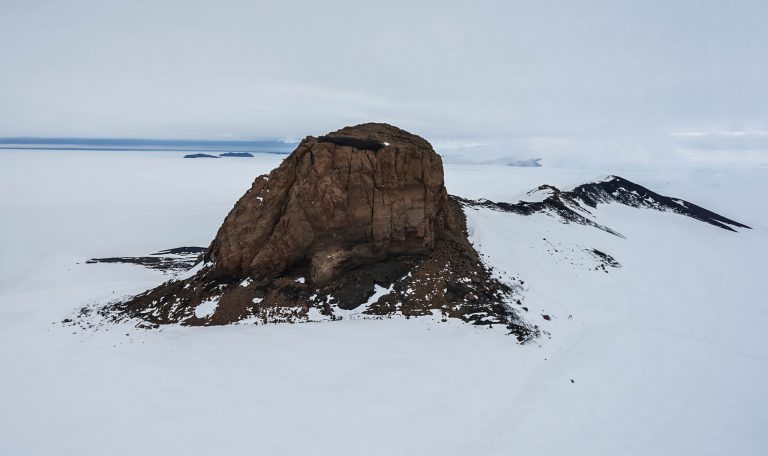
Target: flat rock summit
[[358, 220]]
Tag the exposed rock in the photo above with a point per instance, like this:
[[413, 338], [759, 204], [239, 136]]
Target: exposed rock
[[236, 154], [200, 156], [604, 259], [337, 206], [170, 260], [357, 219], [573, 206]]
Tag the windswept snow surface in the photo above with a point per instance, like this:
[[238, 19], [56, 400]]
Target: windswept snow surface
[[206, 308], [665, 355]]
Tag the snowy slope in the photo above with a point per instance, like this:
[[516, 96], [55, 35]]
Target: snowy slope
[[667, 353]]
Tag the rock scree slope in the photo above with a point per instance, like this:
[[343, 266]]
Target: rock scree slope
[[356, 222]]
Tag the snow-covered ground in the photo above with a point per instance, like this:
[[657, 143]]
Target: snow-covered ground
[[667, 354]]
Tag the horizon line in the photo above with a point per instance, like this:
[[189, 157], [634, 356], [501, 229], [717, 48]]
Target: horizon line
[[79, 140]]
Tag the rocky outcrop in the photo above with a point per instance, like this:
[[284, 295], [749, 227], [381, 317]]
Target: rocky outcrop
[[574, 206], [355, 196], [174, 260], [200, 156], [356, 219], [237, 154]]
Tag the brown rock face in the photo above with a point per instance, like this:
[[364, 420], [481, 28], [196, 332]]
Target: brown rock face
[[353, 197], [355, 221]]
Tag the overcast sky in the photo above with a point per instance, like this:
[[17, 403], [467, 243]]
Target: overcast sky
[[449, 70]]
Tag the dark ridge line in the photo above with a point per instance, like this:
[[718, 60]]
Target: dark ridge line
[[555, 205], [162, 260], [201, 156], [236, 154], [614, 189], [626, 192], [182, 251]]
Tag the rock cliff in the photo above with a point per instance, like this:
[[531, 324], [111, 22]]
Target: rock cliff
[[353, 197], [356, 219]]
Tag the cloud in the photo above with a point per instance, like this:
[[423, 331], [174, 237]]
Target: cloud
[[531, 74], [724, 141]]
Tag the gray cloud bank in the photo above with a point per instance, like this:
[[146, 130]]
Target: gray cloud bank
[[536, 75]]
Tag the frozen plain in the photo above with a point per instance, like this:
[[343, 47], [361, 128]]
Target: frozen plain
[[666, 355]]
